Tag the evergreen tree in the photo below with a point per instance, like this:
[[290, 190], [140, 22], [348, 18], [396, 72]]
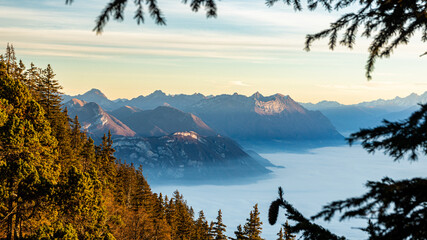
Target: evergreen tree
[[77, 136], [32, 79], [50, 93], [183, 219], [280, 235], [106, 162], [171, 216], [87, 156], [211, 230], [240, 234], [201, 228], [218, 227], [283, 234], [10, 61], [142, 196], [310, 231], [287, 235], [253, 225], [161, 228]]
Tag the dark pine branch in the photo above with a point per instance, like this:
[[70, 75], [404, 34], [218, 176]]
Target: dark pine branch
[[395, 209], [397, 139], [303, 226]]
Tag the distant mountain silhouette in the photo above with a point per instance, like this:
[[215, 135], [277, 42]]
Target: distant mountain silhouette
[[397, 103], [322, 105], [159, 98], [350, 118], [95, 120], [96, 96], [149, 102]]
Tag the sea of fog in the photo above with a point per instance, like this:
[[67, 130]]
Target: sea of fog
[[310, 180]]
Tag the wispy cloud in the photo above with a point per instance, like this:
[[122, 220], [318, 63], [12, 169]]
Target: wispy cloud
[[239, 83], [80, 43]]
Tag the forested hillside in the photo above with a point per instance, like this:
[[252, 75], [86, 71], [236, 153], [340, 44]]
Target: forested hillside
[[55, 183]]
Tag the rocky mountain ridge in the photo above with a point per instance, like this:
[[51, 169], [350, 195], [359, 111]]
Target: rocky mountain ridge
[[95, 121], [277, 117], [188, 156]]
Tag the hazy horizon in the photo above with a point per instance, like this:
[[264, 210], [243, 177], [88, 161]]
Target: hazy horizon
[[247, 95]]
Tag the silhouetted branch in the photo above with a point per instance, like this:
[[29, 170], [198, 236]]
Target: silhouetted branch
[[397, 138], [308, 230], [395, 209]]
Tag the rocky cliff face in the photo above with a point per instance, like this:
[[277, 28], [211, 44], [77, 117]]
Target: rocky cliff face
[[275, 104], [188, 156]]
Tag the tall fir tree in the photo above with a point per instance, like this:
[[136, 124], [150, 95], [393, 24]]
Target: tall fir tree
[[240, 234], [32, 79], [106, 162], [287, 235], [253, 225], [183, 217], [218, 227], [50, 91], [77, 136], [201, 228], [280, 235]]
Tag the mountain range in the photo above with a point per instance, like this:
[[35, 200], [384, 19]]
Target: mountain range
[[253, 118], [345, 118], [350, 118]]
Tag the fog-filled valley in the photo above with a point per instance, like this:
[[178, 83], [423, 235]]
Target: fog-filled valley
[[185, 138], [310, 180]]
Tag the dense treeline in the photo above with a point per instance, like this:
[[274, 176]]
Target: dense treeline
[[55, 183]]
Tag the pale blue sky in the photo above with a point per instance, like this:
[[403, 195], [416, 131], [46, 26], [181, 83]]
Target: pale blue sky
[[248, 48]]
